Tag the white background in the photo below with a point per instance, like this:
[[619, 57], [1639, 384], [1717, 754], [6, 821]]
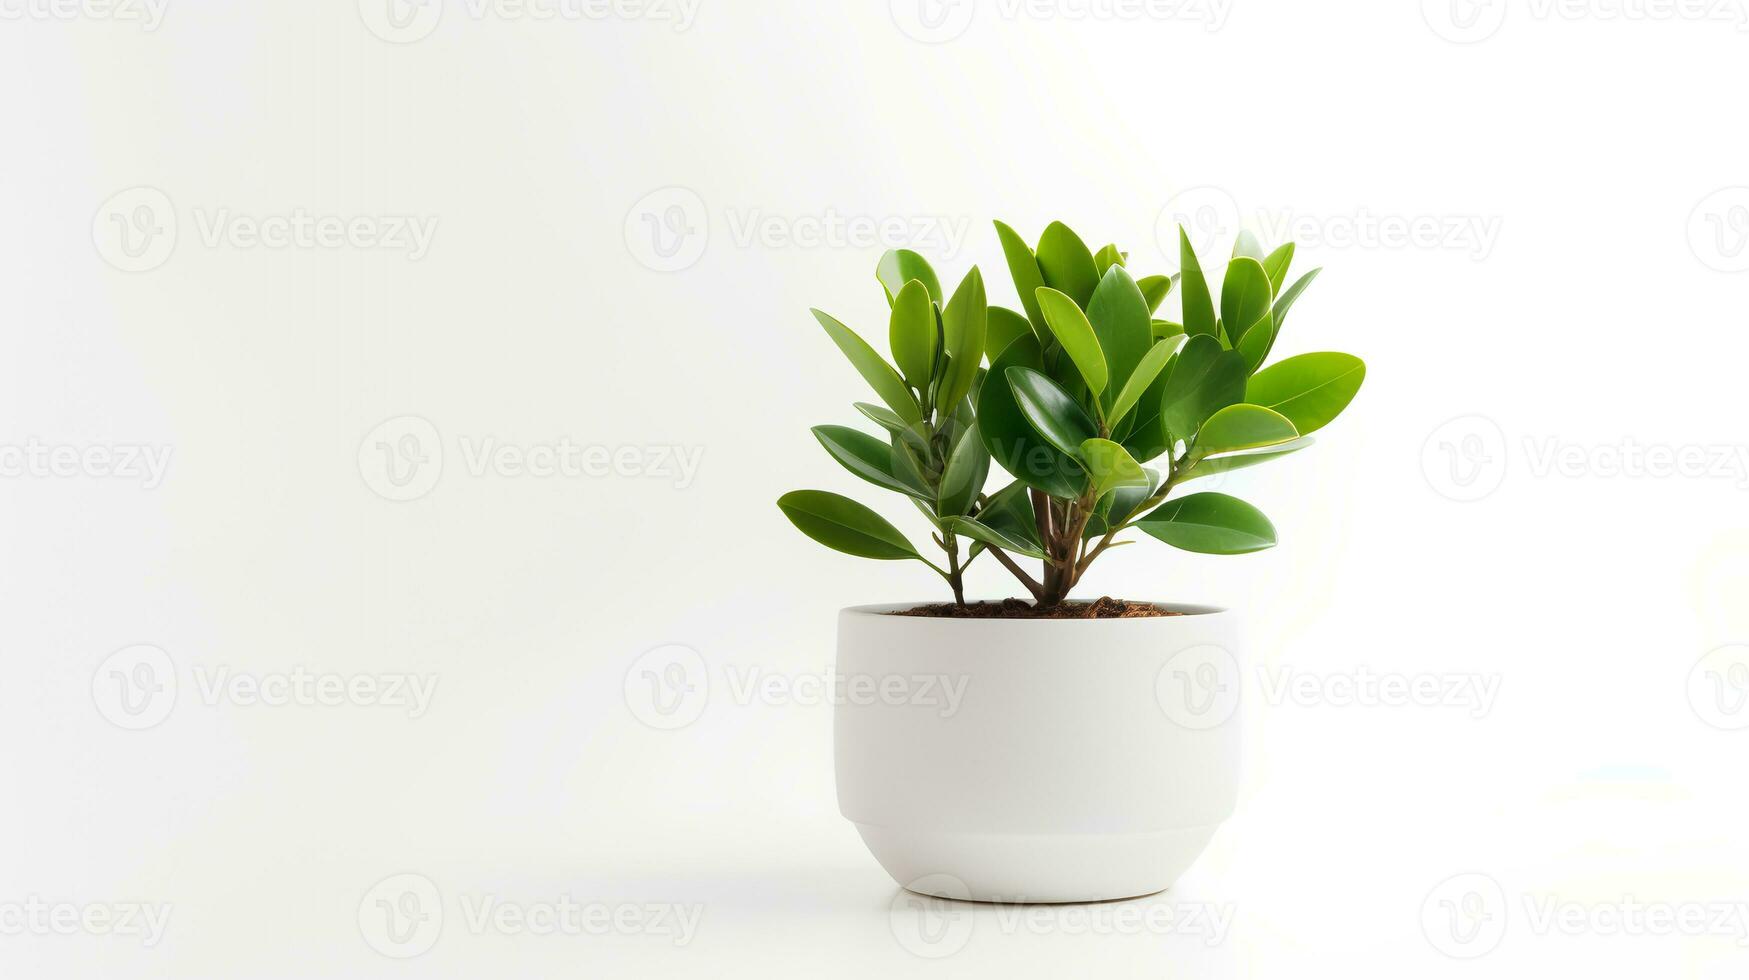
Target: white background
[[623, 255]]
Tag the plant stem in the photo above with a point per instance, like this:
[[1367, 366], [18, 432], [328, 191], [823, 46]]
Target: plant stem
[[1019, 573]]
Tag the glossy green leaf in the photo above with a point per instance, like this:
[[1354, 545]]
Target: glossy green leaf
[[1023, 268], [1248, 246], [1071, 328], [981, 532], [878, 373], [964, 323], [1245, 296], [1066, 264], [1011, 439], [911, 334], [1210, 524], [1276, 264], [1140, 380], [1119, 315], [1199, 305], [901, 265], [1105, 258], [1255, 344], [1009, 511], [1142, 433], [844, 525], [1204, 380], [867, 457], [1154, 290], [1240, 427], [1310, 390], [1291, 295], [1004, 327], [1055, 416], [1216, 465], [968, 466], [1111, 466], [911, 433], [1166, 328]]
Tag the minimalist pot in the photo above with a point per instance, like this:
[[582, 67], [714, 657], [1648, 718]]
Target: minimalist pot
[[1037, 760]]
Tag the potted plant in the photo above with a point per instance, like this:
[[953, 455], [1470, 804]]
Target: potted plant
[[1094, 751]]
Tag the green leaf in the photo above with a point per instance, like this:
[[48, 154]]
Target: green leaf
[[1276, 264], [912, 433], [911, 334], [1011, 439], [900, 266], [867, 457], [1023, 267], [1143, 377], [1009, 512], [1237, 461], [1111, 466], [1154, 290], [844, 525], [1245, 296], [1069, 325], [1003, 327], [1199, 306], [1310, 390], [991, 536], [968, 467], [1248, 246], [1142, 433], [1052, 413], [878, 373], [964, 322], [1210, 524], [1240, 427], [1255, 344], [1166, 328], [1105, 258], [1291, 295], [1119, 315], [1066, 264], [1204, 380]]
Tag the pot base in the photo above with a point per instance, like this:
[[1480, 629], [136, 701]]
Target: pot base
[[1026, 869]]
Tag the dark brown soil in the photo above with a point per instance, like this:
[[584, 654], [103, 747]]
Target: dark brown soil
[[1104, 608]]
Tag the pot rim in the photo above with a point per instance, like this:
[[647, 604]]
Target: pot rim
[[884, 609]]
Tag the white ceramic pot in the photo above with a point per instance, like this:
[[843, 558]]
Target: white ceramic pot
[[1037, 760]]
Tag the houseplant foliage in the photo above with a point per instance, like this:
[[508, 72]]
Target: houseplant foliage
[[1097, 409]]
